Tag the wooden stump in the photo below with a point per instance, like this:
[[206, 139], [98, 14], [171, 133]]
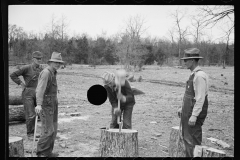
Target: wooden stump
[[204, 151], [173, 144], [15, 100], [16, 148], [16, 113], [119, 144]]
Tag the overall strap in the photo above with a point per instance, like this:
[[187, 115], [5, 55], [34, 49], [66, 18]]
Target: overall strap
[[50, 80]]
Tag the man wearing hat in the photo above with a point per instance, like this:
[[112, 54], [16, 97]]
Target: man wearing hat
[[30, 75], [47, 106], [126, 97], [195, 102]]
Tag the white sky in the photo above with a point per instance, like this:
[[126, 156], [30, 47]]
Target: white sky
[[94, 19]]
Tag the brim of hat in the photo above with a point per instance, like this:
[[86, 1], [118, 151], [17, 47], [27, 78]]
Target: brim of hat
[[54, 60], [191, 58]]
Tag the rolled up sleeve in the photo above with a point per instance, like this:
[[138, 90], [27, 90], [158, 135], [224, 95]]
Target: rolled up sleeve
[[41, 87], [15, 75]]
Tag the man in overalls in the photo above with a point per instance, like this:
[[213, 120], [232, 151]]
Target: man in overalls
[[30, 75], [195, 102], [47, 106]]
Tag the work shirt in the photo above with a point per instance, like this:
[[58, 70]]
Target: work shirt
[[29, 72], [201, 86], [125, 90], [42, 83]]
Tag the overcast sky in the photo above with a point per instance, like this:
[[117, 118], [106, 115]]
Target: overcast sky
[[96, 19]]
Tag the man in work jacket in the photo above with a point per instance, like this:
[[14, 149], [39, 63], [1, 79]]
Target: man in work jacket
[[195, 102], [47, 106], [126, 97], [30, 75]]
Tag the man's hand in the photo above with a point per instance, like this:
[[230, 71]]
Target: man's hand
[[121, 97], [23, 86], [38, 109], [117, 111], [179, 112], [192, 120]]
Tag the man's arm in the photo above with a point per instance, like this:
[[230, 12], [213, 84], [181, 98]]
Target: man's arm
[[15, 75], [41, 87], [200, 93], [129, 92]]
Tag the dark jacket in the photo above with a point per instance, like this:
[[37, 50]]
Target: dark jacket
[[125, 90]]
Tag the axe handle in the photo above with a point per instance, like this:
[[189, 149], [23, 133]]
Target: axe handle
[[35, 130], [118, 118]]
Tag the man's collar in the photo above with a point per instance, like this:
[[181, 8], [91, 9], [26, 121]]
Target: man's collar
[[196, 69], [53, 70]]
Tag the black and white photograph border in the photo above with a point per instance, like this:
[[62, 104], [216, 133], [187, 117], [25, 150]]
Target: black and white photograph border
[[156, 46]]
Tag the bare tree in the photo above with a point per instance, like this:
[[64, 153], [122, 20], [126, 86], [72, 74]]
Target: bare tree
[[216, 14], [225, 57], [63, 26], [182, 32], [130, 43], [198, 26]]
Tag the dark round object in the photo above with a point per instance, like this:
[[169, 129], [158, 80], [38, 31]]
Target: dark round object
[[97, 94]]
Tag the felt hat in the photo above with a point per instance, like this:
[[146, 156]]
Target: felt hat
[[191, 53], [56, 57], [107, 77], [37, 54]]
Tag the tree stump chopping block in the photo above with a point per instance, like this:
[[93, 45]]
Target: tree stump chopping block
[[176, 144], [16, 148], [119, 144], [16, 113], [204, 151]]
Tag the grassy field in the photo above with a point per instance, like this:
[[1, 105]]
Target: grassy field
[[80, 137]]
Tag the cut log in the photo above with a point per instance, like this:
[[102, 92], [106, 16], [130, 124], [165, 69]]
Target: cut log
[[119, 144], [176, 144], [16, 113], [16, 148], [204, 151], [15, 100]]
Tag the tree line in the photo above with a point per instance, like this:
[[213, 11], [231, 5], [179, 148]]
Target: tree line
[[128, 48]]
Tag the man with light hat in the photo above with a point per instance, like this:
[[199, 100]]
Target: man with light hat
[[47, 106], [195, 102], [126, 97], [30, 75]]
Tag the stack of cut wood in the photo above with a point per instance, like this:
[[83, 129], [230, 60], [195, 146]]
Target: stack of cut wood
[[177, 147], [16, 109], [204, 151]]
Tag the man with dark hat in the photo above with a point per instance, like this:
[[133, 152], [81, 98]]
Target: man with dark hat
[[30, 75], [195, 102], [47, 106]]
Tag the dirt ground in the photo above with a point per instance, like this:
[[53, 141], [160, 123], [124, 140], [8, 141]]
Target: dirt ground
[[80, 136]]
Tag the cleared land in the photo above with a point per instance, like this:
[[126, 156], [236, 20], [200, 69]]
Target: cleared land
[[164, 89]]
